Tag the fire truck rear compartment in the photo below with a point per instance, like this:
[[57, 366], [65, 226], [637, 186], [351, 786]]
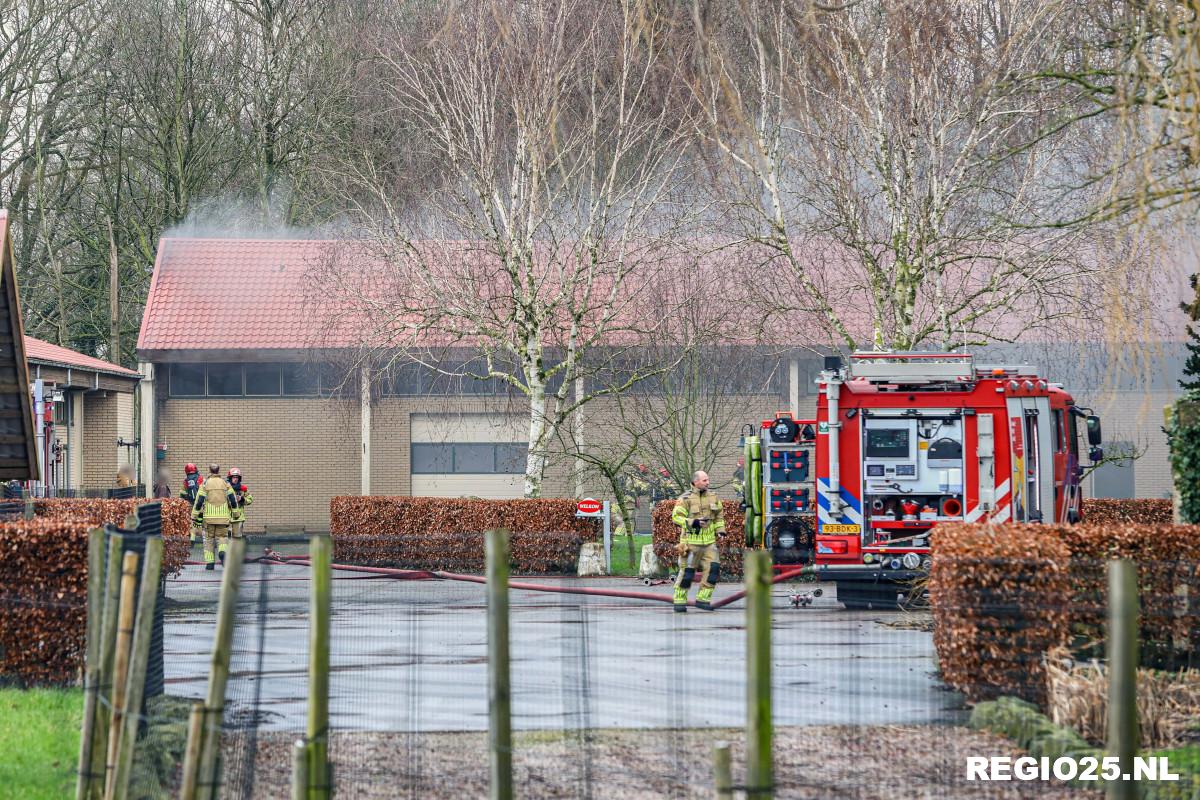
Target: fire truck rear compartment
[[912, 461]]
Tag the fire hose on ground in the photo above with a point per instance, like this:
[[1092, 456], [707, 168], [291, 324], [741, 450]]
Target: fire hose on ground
[[271, 557]]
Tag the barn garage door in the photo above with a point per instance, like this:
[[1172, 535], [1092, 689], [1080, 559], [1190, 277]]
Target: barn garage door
[[468, 455]]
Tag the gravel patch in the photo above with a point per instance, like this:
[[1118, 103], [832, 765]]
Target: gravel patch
[[823, 762]]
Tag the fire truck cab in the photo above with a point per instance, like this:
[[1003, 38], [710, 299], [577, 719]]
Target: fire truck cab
[[902, 442]]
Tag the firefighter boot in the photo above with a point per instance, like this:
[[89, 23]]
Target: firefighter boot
[[704, 598], [210, 552], [681, 599]]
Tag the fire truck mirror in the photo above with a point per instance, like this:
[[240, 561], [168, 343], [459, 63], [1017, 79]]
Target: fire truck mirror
[[1095, 439]]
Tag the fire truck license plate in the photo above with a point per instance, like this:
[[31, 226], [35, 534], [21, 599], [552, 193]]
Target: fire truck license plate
[[827, 528]]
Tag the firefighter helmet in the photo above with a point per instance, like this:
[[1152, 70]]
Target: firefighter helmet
[[189, 469], [234, 472]]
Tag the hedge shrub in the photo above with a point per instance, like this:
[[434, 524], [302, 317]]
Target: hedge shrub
[[998, 595], [1168, 567], [43, 583], [729, 546], [990, 585], [447, 533], [176, 521], [1105, 511]]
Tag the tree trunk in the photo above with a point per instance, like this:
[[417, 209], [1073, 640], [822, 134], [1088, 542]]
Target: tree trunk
[[535, 460], [114, 297]]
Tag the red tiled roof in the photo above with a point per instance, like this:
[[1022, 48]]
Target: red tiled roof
[[222, 294], [254, 294], [47, 353]]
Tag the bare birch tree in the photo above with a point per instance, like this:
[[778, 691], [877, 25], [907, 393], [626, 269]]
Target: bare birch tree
[[557, 156], [879, 154]]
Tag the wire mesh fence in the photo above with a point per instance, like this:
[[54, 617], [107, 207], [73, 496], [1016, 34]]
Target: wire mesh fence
[[611, 696], [616, 695]]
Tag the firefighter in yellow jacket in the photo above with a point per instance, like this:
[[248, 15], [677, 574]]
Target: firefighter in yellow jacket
[[214, 502], [700, 516], [242, 499]]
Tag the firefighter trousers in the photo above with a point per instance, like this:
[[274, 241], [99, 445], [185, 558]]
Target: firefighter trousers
[[700, 561], [216, 540]]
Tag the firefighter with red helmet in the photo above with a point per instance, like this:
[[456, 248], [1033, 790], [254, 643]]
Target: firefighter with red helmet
[[700, 515], [191, 485], [212, 509], [241, 500]]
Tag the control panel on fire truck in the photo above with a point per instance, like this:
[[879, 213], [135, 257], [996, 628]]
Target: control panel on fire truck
[[913, 464]]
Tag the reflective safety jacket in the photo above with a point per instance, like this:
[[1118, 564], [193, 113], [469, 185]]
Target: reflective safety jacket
[[704, 506], [213, 502]]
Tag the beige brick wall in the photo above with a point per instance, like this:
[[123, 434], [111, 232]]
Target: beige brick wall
[[285, 444], [295, 453], [1137, 418], [126, 430], [101, 411]]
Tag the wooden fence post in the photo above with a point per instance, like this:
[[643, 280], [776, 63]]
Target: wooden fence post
[[91, 664], [499, 689], [218, 676], [722, 771], [320, 611], [191, 753], [1123, 739], [139, 657], [108, 641], [121, 669], [759, 767], [300, 770]]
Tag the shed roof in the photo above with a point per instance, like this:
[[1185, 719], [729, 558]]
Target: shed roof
[[43, 352]]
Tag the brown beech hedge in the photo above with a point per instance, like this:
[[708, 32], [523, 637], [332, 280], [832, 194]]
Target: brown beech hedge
[[1103, 511], [176, 520], [43, 583], [447, 533], [1002, 595], [729, 546]]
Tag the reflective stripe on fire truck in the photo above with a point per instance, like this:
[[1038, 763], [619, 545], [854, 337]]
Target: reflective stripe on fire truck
[[1003, 506], [851, 510]]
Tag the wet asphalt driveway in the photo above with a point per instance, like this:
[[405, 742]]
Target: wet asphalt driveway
[[411, 656]]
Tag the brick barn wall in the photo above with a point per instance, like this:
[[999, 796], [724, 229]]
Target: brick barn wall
[[294, 453], [101, 411]]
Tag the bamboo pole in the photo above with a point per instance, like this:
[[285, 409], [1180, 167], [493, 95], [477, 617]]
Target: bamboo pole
[[218, 676], [121, 668], [106, 645], [191, 752], [1122, 674], [139, 656], [318, 773], [499, 689], [759, 767], [723, 771], [91, 663], [299, 770]]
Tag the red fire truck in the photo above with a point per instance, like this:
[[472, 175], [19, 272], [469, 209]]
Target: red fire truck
[[901, 442]]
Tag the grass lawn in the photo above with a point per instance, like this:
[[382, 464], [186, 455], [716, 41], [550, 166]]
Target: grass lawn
[[621, 564], [39, 742]]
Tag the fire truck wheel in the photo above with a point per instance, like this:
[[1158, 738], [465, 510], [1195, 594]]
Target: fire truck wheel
[[914, 598], [856, 596]]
